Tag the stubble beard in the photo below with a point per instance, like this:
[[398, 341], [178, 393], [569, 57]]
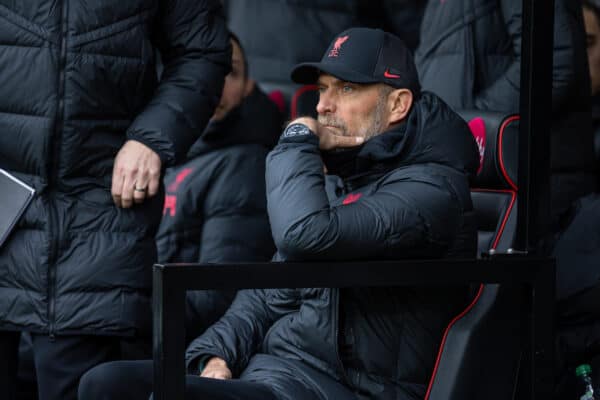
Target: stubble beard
[[370, 128]]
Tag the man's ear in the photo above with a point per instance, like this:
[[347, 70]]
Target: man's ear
[[248, 87], [400, 101]]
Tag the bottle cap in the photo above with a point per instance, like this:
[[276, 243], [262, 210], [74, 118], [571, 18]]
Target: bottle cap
[[583, 369]]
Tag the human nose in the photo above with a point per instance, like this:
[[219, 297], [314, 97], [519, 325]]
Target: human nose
[[326, 104]]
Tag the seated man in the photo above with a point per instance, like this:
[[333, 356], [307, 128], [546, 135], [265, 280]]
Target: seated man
[[400, 190], [220, 189]]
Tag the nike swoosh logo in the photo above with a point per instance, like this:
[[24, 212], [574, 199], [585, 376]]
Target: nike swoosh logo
[[387, 74]]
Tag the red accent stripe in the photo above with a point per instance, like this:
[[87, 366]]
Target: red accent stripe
[[300, 92], [450, 325], [352, 198], [277, 98], [513, 198], [501, 152]]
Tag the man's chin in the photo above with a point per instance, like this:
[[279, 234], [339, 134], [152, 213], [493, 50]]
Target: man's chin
[[336, 130]]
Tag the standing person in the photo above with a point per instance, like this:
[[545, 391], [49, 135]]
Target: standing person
[[470, 55], [216, 207], [87, 123], [399, 190]]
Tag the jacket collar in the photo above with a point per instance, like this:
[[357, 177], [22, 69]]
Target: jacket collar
[[432, 133]]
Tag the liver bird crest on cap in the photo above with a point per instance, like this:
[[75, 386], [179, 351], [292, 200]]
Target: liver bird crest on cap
[[337, 45]]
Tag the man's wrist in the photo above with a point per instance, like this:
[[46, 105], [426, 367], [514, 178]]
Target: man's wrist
[[166, 160], [201, 362], [297, 129], [298, 132]]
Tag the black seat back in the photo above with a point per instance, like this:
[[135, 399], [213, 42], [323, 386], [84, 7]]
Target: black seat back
[[480, 354], [494, 191]]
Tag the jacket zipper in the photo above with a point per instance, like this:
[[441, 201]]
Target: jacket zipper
[[336, 310], [52, 213]]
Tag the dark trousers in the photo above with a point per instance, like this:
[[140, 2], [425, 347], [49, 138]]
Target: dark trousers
[[61, 361], [9, 358], [132, 380]]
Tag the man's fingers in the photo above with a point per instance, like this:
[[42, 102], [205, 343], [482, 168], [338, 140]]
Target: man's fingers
[[154, 183], [216, 368], [140, 189], [215, 374], [127, 192], [116, 187], [330, 142], [139, 192], [328, 139], [207, 374], [136, 167], [346, 141]]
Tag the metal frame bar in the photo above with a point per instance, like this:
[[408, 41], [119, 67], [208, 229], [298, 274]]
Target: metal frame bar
[[537, 275], [534, 136]]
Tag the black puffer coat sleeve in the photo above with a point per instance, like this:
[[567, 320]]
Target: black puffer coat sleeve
[[503, 94], [236, 232], [411, 212], [237, 335], [193, 40]]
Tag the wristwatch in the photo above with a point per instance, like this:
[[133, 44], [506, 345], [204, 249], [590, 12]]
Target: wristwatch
[[296, 130]]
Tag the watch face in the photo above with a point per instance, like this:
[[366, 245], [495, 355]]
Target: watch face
[[296, 130]]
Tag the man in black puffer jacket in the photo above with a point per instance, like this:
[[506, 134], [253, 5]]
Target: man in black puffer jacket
[[215, 206], [470, 55], [84, 115], [403, 193]]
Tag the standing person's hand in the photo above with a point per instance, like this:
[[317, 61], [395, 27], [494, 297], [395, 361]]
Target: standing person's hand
[[216, 368], [328, 139], [136, 174]]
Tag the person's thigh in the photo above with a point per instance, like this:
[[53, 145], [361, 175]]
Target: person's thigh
[[197, 388], [26, 379], [61, 361], [294, 380], [269, 378], [9, 359], [131, 380]]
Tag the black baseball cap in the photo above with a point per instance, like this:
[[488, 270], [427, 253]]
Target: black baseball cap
[[364, 55]]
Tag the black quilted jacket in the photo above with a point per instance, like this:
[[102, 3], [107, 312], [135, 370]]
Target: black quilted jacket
[[408, 196], [77, 79]]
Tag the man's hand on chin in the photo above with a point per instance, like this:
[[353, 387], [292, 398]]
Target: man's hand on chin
[[136, 174], [328, 139]]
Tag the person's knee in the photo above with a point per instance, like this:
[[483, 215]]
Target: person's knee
[[101, 382]]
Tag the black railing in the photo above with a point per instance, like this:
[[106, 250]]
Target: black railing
[[536, 275], [536, 115]]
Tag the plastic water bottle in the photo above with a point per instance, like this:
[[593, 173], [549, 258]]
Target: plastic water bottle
[[585, 384]]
